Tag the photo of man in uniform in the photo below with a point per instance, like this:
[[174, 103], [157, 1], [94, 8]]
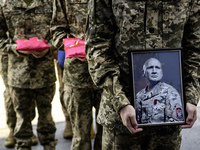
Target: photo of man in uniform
[[158, 102]]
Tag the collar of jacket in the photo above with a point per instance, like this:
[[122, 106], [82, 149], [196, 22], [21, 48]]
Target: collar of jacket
[[33, 4]]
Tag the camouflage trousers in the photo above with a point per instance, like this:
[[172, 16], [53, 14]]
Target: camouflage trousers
[[22, 100], [79, 103], [151, 138], [61, 90], [10, 112]]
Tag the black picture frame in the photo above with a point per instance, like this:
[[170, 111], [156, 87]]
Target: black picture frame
[[164, 104]]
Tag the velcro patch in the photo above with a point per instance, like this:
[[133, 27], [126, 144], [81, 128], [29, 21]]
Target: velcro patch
[[179, 112]]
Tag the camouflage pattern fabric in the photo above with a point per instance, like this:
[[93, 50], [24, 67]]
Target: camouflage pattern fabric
[[76, 12], [61, 90], [29, 77], [161, 104], [10, 112], [81, 92], [114, 27], [22, 99], [157, 138], [26, 71], [79, 102], [27, 1], [76, 71], [9, 108]]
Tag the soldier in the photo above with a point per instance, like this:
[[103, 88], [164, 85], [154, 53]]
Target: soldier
[[81, 95], [10, 112], [158, 101], [31, 74], [114, 27], [68, 128]]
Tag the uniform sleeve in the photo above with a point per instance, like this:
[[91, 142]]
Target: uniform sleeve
[[103, 66], [5, 45], [59, 25], [173, 108], [138, 108], [191, 44]]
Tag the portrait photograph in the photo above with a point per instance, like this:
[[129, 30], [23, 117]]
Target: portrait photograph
[[157, 86]]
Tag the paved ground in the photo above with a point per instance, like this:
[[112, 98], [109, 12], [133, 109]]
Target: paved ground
[[191, 137]]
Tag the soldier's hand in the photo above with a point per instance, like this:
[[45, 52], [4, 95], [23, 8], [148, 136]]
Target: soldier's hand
[[82, 58], [128, 117], [37, 54], [192, 115], [25, 52]]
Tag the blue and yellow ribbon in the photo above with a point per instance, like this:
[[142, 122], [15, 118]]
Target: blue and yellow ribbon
[[76, 43]]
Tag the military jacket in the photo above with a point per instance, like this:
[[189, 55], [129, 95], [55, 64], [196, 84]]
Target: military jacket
[[76, 14], [115, 26], [160, 104], [76, 71], [19, 21]]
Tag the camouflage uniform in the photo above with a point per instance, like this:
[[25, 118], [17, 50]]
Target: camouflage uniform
[[61, 90], [161, 104], [29, 78], [9, 108], [114, 27], [68, 128], [81, 95], [10, 112]]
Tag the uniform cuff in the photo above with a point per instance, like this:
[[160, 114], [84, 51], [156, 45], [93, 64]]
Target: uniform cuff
[[119, 102]]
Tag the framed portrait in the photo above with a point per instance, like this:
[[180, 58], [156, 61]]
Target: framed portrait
[[157, 86]]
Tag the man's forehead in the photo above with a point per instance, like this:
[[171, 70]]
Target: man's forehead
[[154, 62]]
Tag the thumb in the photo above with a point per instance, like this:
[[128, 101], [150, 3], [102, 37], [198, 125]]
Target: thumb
[[192, 116]]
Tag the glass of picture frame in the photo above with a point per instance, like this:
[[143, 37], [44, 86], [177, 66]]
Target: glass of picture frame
[[157, 86]]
